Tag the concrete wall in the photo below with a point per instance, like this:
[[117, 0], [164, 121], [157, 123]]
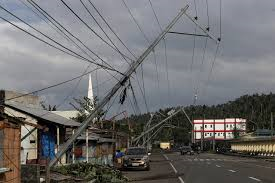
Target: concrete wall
[[30, 100], [256, 147]]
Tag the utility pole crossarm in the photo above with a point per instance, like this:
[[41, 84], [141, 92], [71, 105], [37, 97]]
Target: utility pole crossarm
[[113, 91], [204, 30]]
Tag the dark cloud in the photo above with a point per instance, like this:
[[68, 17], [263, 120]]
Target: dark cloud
[[244, 64]]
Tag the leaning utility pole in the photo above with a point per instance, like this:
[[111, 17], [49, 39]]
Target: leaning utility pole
[[116, 87]]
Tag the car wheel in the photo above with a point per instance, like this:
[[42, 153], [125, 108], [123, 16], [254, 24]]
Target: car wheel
[[147, 168]]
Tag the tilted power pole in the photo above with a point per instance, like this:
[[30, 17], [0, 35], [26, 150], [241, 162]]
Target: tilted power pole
[[116, 87]]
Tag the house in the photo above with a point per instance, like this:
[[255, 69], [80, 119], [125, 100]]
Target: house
[[42, 131]]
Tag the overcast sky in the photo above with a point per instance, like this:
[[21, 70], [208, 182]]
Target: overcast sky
[[244, 63]]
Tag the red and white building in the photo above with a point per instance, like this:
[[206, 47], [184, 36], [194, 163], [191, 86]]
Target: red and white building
[[218, 129]]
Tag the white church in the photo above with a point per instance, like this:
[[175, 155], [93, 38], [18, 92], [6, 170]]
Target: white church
[[73, 113]]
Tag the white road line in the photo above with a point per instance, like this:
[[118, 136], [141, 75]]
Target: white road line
[[208, 163], [253, 178], [180, 179], [218, 166], [232, 171], [207, 159], [165, 157], [173, 168], [201, 159]]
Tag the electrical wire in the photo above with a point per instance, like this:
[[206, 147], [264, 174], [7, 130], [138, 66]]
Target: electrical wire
[[112, 29], [207, 14], [136, 22], [200, 72], [220, 20], [45, 20], [89, 12], [51, 86], [73, 53], [56, 24], [166, 66], [92, 30]]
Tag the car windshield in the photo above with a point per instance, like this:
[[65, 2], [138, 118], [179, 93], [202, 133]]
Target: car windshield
[[186, 148], [136, 151]]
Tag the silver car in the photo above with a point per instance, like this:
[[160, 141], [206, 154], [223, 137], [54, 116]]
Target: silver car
[[136, 158]]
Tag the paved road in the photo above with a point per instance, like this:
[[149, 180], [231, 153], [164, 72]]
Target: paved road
[[204, 168]]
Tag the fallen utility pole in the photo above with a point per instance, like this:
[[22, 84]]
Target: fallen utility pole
[[116, 87], [157, 125]]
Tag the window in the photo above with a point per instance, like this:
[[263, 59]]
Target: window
[[205, 126], [218, 134], [211, 126], [226, 126], [205, 134], [230, 126]]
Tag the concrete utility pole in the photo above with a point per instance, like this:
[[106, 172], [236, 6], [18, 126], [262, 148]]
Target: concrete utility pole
[[157, 125], [116, 87]]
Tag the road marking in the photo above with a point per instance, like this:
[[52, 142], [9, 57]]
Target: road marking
[[173, 168], [207, 159], [180, 179], [253, 178], [201, 159], [232, 171], [165, 157], [208, 163], [218, 166]]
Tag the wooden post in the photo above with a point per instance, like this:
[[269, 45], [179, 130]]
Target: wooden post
[[57, 141], [87, 145], [73, 150]]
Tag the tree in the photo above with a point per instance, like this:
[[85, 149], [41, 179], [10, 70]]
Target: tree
[[49, 108], [85, 106]]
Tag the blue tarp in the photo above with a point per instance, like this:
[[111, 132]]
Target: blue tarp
[[47, 145]]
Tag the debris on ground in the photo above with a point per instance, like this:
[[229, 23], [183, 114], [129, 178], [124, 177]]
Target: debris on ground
[[92, 172]]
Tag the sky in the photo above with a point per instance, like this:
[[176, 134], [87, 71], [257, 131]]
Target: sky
[[244, 62]]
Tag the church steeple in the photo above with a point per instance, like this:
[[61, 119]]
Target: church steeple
[[90, 89]]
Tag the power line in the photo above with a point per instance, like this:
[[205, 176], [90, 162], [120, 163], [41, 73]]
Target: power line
[[71, 10], [143, 87], [45, 20], [166, 65], [196, 11], [136, 22], [200, 72], [156, 67], [220, 20], [103, 30], [55, 23], [156, 17], [207, 13], [165, 51], [73, 53], [52, 86], [112, 29]]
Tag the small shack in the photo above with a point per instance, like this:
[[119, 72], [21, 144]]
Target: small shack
[[9, 149]]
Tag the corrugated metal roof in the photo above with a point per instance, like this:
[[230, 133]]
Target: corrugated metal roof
[[42, 114]]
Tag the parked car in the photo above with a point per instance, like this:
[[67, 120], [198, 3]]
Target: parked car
[[136, 158], [186, 150]]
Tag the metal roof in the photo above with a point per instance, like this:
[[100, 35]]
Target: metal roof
[[41, 114]]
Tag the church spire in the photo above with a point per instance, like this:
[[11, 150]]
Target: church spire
[[90, 89]]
